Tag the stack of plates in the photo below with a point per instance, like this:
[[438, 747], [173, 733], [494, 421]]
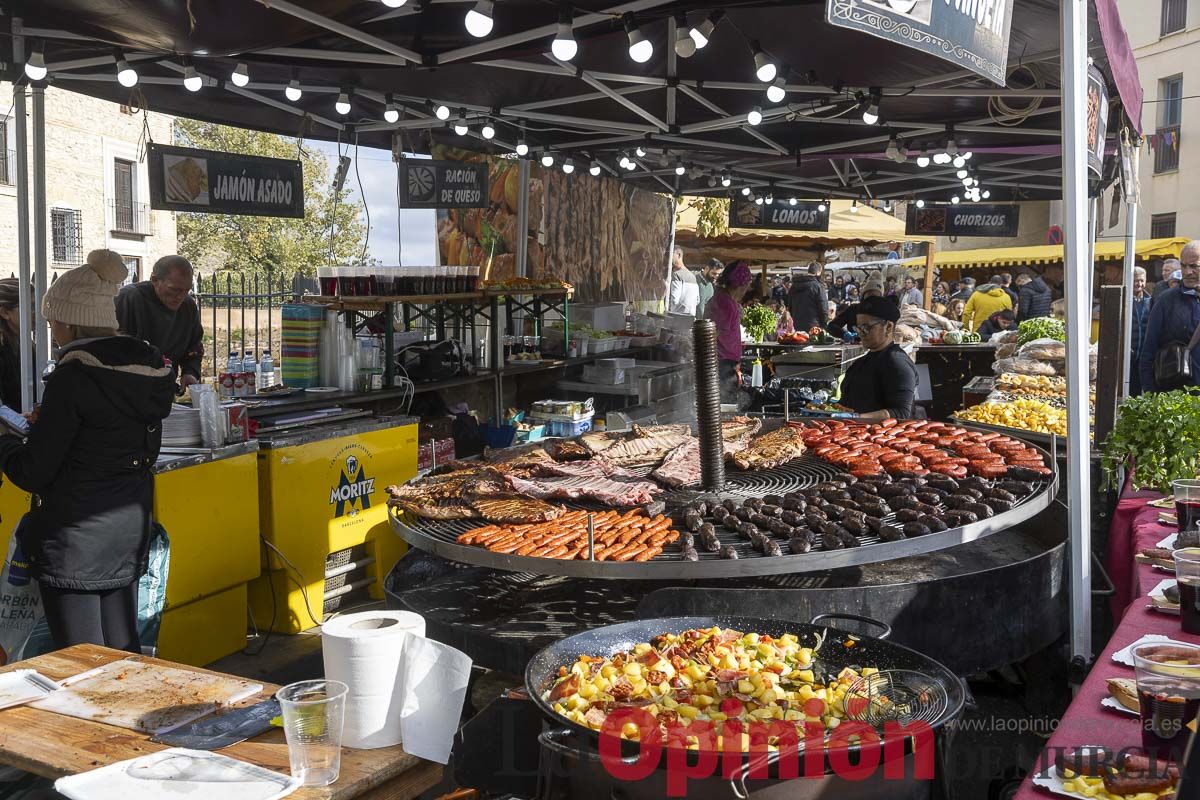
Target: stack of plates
[[182, 427]]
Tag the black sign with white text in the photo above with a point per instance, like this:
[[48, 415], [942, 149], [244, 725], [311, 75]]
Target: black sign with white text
[[806, 215], [443, 184], [963, 219], [212, 182], [971, 33]]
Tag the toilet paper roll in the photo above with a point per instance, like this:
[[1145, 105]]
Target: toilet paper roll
[[366, 652]]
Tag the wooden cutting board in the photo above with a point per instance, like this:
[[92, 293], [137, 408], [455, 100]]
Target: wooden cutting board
[[145, 697]]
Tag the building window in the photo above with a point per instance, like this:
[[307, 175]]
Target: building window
[[8, 159], [1170, 115], [122, 195], [66, 234], [1162, 226], [134, 265], [1174, 16]]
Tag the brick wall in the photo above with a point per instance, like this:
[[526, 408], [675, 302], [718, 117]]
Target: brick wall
[[84, 136]]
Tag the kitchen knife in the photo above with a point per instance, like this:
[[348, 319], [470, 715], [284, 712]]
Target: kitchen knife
[[224, 728]]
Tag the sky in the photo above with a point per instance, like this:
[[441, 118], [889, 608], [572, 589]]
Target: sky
[[378, 175]]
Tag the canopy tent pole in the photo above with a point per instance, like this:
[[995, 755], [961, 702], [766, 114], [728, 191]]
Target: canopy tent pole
[[930, 258], [1127, 275], [523, 217], [1077, 275], [41, 343], [26, 309]]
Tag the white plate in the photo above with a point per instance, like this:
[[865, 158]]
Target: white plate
[[178, 772], [23, 686], [1169, 542], [1125, 654], [1161, 589], [320, 389], [1111, 702]]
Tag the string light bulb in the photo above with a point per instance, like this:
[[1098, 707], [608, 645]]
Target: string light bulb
[[594, 169], [777, 91], [488, 130], [631, 165], [640, 48], [293, 91], [479, 19], [960, 161], [568, 166], [986, 194], [641, 151], [755, 116], [391, 114], [765, 68], [854, 206], [624, 161], [703, 32], [792, 201], [679, 168], [923, 159], [460, 126], [564, 47], [126, 76], [342, 106], [955, 200], [920, 204], [442, 112], [191, 79], [770, 199], [822, 207], [870, 113], [758, 201], [394, 3], [241, 75], [547, 159], [35, 67], [745, 191], [522, 148], [726, 179], [685, 45]]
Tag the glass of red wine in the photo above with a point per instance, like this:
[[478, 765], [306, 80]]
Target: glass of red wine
[[1187, 503], [1187, 576], [327, 279], [1168, 683]]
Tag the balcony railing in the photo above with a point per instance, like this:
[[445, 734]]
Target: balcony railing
[[8, 167], [132, 219]]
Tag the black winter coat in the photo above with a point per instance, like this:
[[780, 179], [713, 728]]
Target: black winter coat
[[808, 303], [88, 462], [1034, 300]]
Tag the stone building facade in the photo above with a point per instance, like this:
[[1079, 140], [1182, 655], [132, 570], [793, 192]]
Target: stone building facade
[[97, 185]]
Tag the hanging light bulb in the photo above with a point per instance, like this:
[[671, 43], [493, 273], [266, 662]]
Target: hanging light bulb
[[442, 112], [488, 130], [941, 158], [703, 32], [293, 91], [959, 161], [893, 149], [923, 159], [962, 173], [745, 191], [920, 204], [460, 126], [547, 159], [726, 179], [641, 151], [758, 201], [479, 19], [951, 146], [342, 106], [568, 166], [394, 3], [241, 75], [870, 113], [765, 68], [986, 194], [967, 182], [624, 160], [631, 165], [640, 48], [685, 45], [853, 206], [191, 80], [792, 201], [679, 168], [522, 148], [770, 198], [955, 200], [594, 169], [967, 155], [755, 116], [564, 47], [777, 91], [822, 207], [391, 114], [126, 76], [35, 67]]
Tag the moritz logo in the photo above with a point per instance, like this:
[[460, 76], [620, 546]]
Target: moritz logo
[[354, 489]]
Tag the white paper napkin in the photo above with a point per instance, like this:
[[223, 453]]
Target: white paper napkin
[[1115, 705]]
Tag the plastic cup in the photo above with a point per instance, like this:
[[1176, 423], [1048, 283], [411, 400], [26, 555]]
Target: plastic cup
[[327, 280], [1187, 575], [1168, 683], [1187, 503], [313, 713]]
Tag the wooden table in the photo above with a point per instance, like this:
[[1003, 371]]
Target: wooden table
[[52, 745]]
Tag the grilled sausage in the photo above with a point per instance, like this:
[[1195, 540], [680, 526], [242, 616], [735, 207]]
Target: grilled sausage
[[798, 545], [890, 533], [728, 552]]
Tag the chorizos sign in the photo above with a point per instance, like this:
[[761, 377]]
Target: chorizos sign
[[806, 215], [208, 181], [971, 33], [963, 220]]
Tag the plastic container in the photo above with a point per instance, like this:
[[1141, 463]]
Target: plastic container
[[602, 345], [313, 715], [266, 371], [567, 429]]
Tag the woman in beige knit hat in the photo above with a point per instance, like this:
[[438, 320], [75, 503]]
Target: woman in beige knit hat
[[88, 462]]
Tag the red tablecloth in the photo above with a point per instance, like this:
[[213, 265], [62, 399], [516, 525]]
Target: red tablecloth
[[1086, 721]]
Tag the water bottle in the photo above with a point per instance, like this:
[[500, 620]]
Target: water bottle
[[249, 373], [266, 371]]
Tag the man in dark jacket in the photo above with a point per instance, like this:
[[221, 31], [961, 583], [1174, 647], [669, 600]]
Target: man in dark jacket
[[807, 300], [1035, 297], [88, 461], [1174, 317], [161, 311]]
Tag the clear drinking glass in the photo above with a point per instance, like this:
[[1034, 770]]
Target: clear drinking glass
[[1168, 684], [1187, 503], [313, 713], [1187, 576]]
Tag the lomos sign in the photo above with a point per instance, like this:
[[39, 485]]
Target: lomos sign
[[443, 184], [806, 215], [971, 33], [963, 220], [212, 182]]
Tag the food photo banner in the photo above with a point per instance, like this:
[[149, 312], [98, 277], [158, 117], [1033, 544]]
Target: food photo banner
[[806, 215], [972, 34], [963, 220], [212, 182], [443, 184]]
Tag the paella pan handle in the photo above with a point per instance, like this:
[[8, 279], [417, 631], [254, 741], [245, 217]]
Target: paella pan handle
[[883, 626]]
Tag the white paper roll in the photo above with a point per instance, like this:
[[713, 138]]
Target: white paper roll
[[366, 652]]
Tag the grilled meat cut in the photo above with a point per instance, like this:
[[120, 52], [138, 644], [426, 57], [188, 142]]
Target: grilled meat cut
[[645, 447], [424, 503], [681, 467], [598, 467], [568, 450], [613, 492], [772, 449], [738, 432], [514, 508]]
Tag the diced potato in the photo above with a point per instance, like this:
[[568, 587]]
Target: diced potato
[[768, 695], [670, 703], [717, 716], [664, 688], [745, 687], [806, 693], [805, 675], [633, 669], [869, 671], [687, 711], [762, 713], [694, 671], [702, 700], [832, 722], [629, 730], [587, 690], [791, 715], [805, 655], [641, 649], [608, 670]]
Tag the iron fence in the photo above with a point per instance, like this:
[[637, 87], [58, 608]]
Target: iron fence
[[129, 218], [241, 313]]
